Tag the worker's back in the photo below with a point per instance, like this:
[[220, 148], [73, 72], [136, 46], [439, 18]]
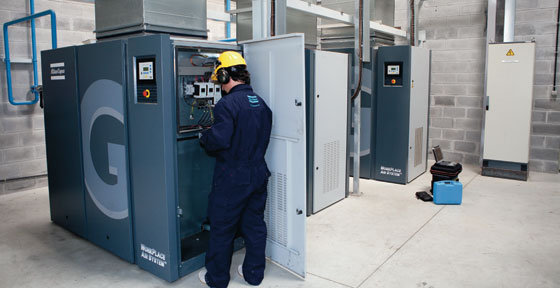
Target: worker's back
[[240, 137], [253, 121]]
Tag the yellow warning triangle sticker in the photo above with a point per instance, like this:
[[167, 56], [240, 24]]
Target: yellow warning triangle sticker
[[510, 53]]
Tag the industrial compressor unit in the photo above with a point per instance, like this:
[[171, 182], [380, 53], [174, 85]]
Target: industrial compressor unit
[[402, 90], [394, 114], [126, 170]]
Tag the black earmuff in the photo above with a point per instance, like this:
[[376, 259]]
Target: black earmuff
[[223, 76]]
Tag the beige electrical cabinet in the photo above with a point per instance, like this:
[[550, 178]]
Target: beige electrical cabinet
[[509, 101]]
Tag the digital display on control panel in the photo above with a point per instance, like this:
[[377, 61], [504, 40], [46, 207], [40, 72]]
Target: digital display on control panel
[[146, 70], [393, 70]]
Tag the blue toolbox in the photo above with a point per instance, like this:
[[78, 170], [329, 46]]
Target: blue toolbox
[[448, 192]]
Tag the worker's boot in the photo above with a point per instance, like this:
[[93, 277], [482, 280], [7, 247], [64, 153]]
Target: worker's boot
[[202, 277]]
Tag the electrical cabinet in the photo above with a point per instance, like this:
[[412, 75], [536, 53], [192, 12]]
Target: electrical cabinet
[[129, 174], [507, 125], [401, 120]]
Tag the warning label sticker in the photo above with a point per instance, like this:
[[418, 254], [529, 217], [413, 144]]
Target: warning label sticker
[[510, 53]]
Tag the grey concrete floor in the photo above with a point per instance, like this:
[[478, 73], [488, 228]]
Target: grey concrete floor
[[505, 234]]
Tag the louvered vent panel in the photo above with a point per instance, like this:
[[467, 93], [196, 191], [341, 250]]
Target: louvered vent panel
[[331, 166], [275, 213], [418, 146]]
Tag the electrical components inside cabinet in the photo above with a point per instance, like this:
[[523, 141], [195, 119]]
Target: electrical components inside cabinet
[[206, 90], [196, 93]]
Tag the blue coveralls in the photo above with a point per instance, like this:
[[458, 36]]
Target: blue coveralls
[[238, 139]]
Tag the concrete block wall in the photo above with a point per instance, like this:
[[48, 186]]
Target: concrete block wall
[[537, 20], [456, 33], [22, 140]]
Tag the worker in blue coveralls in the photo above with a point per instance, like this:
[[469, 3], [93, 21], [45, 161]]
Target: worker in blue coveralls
[[238, 139]]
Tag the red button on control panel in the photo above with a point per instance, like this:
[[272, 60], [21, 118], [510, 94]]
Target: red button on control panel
[[146, 93]]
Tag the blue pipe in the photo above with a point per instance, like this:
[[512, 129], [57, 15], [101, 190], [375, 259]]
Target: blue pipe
[[228, 24], [34, 48]]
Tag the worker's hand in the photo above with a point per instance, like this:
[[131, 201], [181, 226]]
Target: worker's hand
[[199, 135]]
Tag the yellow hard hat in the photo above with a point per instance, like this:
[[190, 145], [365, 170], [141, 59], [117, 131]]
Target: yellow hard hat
[[226, 60]]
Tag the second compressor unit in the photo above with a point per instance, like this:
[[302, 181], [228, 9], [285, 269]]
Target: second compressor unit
[[401, 118]]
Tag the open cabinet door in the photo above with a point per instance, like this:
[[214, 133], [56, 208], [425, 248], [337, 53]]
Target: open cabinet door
[[277, 67], [329, 134]]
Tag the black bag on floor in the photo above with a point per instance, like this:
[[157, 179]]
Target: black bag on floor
[[444, 170]]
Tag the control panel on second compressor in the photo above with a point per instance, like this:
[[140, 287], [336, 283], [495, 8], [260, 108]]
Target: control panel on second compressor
[[393, 74], [196, 93]]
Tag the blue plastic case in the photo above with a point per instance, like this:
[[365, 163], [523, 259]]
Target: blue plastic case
[[448, 192]]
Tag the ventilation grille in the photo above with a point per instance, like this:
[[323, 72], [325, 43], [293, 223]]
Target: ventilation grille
[[418, 146], [275, 213], [331, 166]]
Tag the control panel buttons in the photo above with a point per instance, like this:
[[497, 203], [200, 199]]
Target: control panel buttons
[[393, 81], [146, 93]]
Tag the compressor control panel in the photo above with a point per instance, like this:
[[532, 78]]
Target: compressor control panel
[[146, 86], [393, 74]]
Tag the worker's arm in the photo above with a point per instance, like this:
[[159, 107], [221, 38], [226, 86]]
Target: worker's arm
[[219, 136]]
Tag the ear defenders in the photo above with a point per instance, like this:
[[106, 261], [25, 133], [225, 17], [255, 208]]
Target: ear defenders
[[223, 76]]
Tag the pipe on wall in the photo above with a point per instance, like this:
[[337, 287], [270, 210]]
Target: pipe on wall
[[554, 90], [412, 27], [35, 87], [228, 24], [509, 21]]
